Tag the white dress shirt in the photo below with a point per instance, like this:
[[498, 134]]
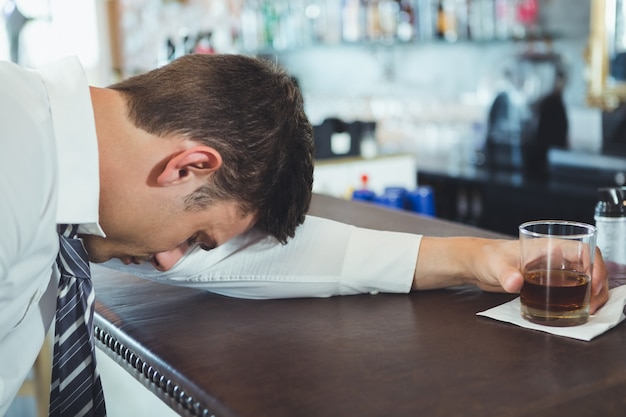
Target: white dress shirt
[[47, 136], [49, 175]]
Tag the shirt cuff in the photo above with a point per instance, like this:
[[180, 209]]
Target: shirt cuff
[[377, 261]]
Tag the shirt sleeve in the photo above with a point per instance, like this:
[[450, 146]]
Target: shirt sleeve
[[325, 258]]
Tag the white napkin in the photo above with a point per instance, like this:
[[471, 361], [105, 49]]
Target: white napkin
[[609, 316]]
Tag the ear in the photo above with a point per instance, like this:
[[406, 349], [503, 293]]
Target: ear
[[191, 163]]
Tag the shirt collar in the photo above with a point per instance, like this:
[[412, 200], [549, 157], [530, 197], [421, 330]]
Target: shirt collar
[[77, 144]]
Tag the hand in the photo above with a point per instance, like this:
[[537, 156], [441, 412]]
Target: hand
[[490, 264], [502, 262]]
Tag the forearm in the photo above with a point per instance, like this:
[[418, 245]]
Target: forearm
[[488, 263], [442, 262]]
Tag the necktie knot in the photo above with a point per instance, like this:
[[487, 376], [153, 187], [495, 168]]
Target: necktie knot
[[73, 258]]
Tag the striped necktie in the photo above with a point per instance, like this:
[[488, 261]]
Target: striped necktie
[[76, 389]]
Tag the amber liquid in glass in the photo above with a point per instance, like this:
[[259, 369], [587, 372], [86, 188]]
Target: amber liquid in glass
[[555, 297]]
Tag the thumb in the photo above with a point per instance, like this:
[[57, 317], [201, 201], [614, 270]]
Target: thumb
[[512, 280]]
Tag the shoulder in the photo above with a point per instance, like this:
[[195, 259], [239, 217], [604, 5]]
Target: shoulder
[[27, 160]]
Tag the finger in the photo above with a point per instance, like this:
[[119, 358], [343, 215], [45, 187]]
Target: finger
[[598, 300], [599, 277], [512, 281], [509, 281], [599, 284]]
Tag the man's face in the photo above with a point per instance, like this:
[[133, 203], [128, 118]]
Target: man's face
[[162, 235]]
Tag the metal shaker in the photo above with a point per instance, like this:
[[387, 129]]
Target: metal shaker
[[610, 219]]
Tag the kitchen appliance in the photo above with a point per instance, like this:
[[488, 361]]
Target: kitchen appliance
[[335, 138]]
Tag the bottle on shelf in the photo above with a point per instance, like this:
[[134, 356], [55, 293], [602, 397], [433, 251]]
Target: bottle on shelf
[[447, 20], [283, 24]]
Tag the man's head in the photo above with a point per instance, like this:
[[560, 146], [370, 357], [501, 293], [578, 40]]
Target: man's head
[[230, 131], [248, 110]]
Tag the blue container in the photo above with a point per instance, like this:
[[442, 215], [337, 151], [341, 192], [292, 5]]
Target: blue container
[[363, 195], [395, 193], [390, 200], [422, 201], [392, 197]]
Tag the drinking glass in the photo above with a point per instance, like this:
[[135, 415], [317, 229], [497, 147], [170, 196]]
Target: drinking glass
[[556, 261]]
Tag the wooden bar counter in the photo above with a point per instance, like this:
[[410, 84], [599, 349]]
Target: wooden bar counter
[[420, 354]]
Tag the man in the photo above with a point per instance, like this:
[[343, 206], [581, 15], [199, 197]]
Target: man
[[197, 174]]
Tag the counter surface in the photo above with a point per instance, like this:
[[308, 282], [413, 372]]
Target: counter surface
[[425, 353]]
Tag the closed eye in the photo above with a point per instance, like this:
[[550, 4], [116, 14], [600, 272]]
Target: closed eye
[[205, 247], [193, 241]]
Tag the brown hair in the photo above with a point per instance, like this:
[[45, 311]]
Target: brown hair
[[249, 110]]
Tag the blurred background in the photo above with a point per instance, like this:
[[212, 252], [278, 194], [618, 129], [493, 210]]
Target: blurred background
[[486, 112]]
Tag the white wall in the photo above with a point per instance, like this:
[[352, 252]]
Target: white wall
[[60, 28]]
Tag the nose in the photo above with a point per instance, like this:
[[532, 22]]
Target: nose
[[164, 261]]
